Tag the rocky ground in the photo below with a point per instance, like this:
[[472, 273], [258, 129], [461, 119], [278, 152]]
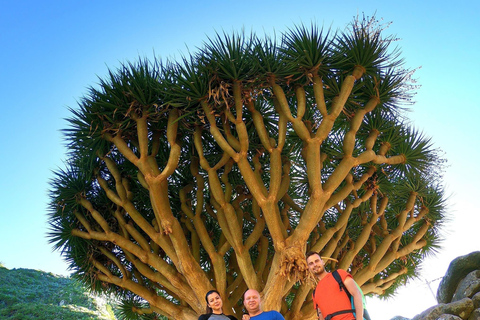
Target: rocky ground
[[458, 294]]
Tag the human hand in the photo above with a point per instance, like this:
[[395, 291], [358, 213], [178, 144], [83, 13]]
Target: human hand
[[245, 317]]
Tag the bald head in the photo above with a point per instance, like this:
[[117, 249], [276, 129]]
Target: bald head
[[251, 301]]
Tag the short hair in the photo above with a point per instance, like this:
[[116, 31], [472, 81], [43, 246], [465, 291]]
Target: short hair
[[311, 253]]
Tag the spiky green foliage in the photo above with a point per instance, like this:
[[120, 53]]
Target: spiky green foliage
[[222, 169]]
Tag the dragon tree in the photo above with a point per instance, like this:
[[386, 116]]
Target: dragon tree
[[222, 169]]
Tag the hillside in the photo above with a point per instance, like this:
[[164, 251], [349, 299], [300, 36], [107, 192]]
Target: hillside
[[30, 294]]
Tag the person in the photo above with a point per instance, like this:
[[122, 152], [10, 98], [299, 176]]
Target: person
[[328, 298], [214, 307], [253, 305]]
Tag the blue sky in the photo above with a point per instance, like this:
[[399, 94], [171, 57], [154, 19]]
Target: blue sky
[[51, 51]]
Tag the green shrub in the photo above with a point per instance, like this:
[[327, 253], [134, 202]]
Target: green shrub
[[30, 294]]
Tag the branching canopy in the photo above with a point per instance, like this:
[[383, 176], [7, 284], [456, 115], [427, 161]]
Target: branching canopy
[[221, 171]]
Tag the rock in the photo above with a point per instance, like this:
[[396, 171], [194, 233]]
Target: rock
[[462, 308], [476, 300], [449, 317], [468, 286], [457, 270], [458, 293], [431, 313], [475, 315]]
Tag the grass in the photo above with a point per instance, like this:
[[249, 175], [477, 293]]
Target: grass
[[30, 294]]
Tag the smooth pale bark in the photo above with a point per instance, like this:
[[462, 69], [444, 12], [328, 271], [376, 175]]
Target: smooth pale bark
[[161, 251]]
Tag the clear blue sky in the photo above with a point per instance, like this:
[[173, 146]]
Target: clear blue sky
[[52, 50]]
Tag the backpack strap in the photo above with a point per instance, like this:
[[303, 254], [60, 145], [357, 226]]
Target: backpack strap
[[331, 315], [339, 280], [337, 277], [343, 288]]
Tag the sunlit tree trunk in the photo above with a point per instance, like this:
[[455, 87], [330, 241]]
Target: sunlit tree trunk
[[210, 175]]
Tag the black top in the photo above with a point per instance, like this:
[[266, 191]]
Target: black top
[[207, 316]]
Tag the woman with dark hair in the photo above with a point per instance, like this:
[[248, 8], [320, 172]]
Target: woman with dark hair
[[214, 307]]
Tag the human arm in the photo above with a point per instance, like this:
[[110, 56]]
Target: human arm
[[317, 307], [319, 314], [357, 297]]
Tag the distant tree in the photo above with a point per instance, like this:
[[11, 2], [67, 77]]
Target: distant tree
[[223, 169]]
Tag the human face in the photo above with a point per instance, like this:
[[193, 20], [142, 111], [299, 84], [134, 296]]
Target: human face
[[215, 302], [316, 265], [251, 301]]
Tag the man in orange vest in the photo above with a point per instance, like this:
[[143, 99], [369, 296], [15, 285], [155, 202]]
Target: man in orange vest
[[329, 298]]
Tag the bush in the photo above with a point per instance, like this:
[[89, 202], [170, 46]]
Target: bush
[[30, 294]]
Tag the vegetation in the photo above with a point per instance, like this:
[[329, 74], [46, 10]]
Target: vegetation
[[223, 169], [30, 294]]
